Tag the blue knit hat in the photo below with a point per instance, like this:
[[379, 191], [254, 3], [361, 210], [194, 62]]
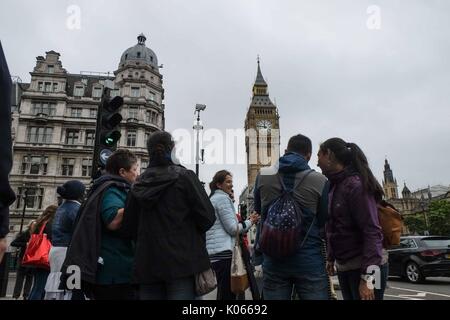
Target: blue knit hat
[[71, 190]]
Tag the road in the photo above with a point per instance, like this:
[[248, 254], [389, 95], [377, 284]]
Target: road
[[432, 289]]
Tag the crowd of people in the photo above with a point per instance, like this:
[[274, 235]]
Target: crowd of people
[[148, 236]]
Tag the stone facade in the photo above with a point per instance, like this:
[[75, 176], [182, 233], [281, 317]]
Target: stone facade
[[54, 121]]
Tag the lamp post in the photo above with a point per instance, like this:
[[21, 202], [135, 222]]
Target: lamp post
[[24, 197], [426, 232], [197, 127]]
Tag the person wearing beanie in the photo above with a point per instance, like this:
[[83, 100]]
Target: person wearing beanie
[[72, 193]]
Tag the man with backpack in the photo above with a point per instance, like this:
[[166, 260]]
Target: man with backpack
[[294, 206]]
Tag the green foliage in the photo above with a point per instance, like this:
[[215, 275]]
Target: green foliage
[[438, 216]]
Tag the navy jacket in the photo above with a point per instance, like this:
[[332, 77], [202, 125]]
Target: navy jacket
[[64, 222]]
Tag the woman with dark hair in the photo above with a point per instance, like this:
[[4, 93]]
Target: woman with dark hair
[[353, 230], [167, 213], [40, 274], [221, 237]]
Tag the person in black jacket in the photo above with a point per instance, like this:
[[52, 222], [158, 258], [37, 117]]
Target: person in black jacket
[[23, 272], [167, 213], [7, 196]]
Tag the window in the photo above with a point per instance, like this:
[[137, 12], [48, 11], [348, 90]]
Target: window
[[40, 134], [115, 93], [51, 69], [40, 86], [442, 242], [135, 92], [34, 165], [48, 87], [148, 115], [72, 136], [55, 87], [154, 118], [67, 166], [90, 138], [147, 135], [32, 196], [44, 108], [93, 113], [133, 112], [76, 112], [151, 96], [97, 92], [138, 54], [144, 165], [86, 166], [131, 138], [407, 243], [79, 91]]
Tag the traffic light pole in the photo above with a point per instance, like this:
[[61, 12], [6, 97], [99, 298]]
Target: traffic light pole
[[96, 172], [107, 133]]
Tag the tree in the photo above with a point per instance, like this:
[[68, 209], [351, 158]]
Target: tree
[[415, 223], [439, 218], [438, 215]]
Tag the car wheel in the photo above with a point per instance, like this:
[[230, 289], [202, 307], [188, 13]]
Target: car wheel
[[413, 273]]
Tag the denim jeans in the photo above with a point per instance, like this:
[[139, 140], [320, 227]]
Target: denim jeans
[[177, 289], [349, 282], [307, 285], [39, 282]]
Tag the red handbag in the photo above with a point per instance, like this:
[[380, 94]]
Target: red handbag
[[37, 251]]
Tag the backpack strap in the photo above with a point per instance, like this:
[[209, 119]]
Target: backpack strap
[[309, 230], [296, 185]]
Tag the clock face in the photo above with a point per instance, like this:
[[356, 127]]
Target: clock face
[[264, 124]]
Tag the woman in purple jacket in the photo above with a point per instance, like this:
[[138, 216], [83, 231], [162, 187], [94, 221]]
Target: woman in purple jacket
[[353, 230]]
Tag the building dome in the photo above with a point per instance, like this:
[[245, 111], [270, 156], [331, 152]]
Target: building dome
[[140, 53]]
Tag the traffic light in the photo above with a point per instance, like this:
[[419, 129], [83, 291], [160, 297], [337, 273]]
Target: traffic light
[[107, 132]]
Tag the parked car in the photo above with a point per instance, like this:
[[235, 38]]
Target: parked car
[[418, 257]]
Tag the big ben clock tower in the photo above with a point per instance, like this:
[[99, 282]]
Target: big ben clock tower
[[262, 129]]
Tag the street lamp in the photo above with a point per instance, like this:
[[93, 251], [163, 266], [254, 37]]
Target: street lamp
[[197, 127], [426, 232], [24, 197]]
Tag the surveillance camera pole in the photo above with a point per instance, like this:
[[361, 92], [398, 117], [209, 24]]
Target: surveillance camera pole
[[197, 127]]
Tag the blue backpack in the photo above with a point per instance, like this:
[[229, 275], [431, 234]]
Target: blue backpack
[[283, 223]]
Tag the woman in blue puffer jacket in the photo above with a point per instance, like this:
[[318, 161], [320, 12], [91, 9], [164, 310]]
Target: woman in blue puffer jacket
[[221, 237]]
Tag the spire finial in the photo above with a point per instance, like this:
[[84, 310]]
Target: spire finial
[[259, 77], [141, 39]]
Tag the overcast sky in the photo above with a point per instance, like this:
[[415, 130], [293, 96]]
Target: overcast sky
[[333, 68]]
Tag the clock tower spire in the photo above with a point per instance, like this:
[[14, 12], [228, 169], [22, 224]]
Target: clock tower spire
[[262, 130]]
